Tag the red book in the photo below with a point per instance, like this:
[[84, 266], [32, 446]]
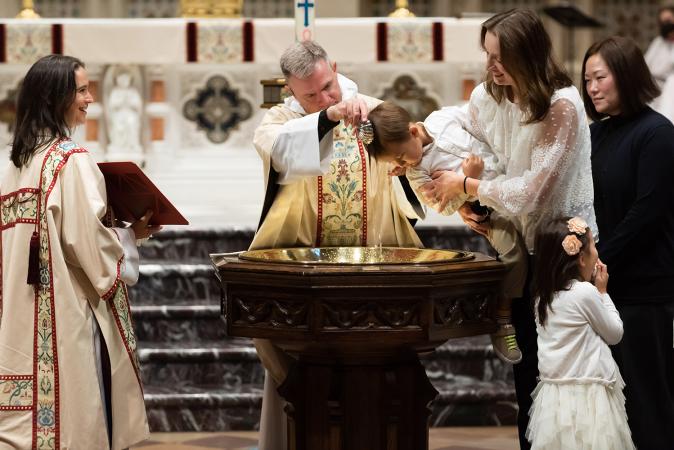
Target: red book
[[131, 194]]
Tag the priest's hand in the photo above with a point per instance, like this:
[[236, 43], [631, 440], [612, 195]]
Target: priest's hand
[[352, 111], [141, 227]]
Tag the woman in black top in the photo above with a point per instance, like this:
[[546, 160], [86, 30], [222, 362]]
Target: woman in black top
[[633, 174]]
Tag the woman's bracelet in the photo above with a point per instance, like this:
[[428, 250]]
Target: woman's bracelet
[[464, 185]]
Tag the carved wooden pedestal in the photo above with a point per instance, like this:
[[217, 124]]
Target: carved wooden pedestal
[[355, 333]]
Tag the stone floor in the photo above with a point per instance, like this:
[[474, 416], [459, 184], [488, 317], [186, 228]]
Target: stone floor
[[454, 438]]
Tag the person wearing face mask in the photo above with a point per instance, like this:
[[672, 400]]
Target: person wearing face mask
[[69, 374], [632, 167], [660, 60], [532, 118], [322, 189]]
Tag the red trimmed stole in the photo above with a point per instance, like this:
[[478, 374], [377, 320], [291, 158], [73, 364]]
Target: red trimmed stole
[[342, 194], [46, 402]]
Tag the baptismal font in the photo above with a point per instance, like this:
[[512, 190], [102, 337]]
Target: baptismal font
[[355, 320]]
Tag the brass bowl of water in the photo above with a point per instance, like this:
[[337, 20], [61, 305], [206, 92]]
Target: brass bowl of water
[[356, 255]]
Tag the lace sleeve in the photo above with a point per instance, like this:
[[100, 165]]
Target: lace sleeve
[[472, 125], [554, 147]]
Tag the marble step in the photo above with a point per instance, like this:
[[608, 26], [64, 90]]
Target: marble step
[[178, 323], [233, 362], [465, 401], [461, 401], [175, 284], [194, 245], [202, 408], [227, 365], [471, 356]]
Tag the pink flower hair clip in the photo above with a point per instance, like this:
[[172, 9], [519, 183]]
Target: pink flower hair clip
[[577, 225], [572, 244]]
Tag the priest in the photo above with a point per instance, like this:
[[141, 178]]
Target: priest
[[322, 189]]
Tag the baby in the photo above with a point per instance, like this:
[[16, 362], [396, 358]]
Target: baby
[[442, 143]]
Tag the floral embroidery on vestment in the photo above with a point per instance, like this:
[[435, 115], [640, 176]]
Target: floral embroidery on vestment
[[342, 194]]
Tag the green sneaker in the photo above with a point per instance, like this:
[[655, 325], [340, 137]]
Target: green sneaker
[[505, 344]]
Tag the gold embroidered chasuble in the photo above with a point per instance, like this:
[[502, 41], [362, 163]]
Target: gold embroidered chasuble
[[354, 202], [50, 396]]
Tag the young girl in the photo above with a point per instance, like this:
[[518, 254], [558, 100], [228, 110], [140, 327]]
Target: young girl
[[578, 403], [441, 143]]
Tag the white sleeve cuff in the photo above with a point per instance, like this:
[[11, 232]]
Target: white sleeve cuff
[[297, 152], [130, 269]]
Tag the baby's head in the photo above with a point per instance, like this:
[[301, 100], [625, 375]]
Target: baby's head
[[396, 138], [565, 251]]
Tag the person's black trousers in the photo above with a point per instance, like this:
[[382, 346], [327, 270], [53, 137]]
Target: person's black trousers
[[526, 371], [645, 356]]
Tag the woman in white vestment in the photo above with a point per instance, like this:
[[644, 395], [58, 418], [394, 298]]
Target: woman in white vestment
[[69, 375], [533, 119]]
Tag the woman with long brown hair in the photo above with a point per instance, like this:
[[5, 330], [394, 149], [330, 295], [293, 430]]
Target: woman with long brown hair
[[532, 118], [69, 375]]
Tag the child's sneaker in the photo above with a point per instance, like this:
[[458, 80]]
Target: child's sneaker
[[505, 344]]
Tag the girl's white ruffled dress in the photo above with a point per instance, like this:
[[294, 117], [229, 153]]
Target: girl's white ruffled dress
[[579, 402]]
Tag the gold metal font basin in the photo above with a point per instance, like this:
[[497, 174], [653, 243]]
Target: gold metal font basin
[[356, 255]]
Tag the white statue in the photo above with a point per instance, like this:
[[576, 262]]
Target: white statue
[[124, 109]]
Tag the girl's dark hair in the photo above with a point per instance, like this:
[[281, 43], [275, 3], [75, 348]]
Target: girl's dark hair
[[390, 123], [632, 78], [526, 53], [46, 93], [554, 268]]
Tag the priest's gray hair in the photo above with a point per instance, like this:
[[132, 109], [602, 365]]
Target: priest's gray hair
[[299, 60]]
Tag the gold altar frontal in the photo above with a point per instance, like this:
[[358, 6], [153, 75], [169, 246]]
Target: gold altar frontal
[[355, 330]]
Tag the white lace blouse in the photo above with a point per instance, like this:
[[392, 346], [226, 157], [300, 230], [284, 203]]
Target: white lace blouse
[[547, 164]]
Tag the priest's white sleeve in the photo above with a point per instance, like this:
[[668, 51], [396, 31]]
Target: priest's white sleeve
[[297, 153], [130, 267]]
